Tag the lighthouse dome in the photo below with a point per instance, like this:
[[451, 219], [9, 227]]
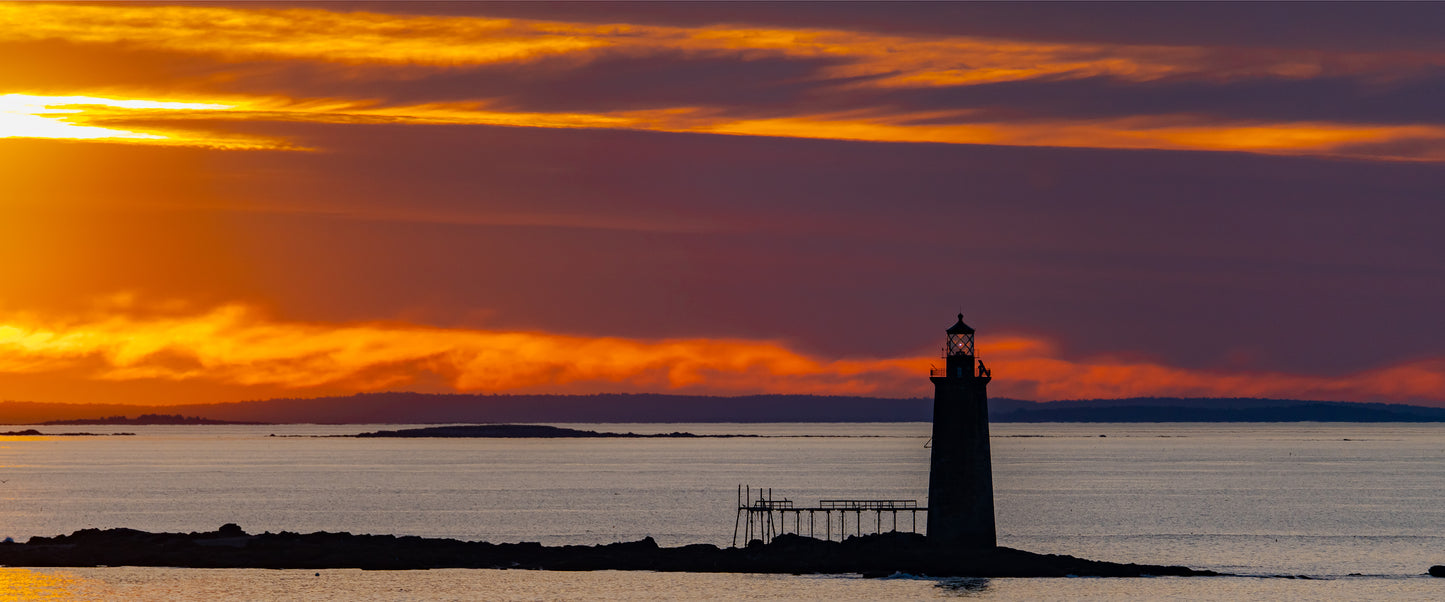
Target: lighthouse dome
[[960, 327]]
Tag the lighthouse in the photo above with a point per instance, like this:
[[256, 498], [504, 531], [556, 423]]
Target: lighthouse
[[960, 477]]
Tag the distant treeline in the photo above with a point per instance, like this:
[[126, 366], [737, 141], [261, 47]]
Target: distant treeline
[[145, 419], [423, 408], [1172, 409]]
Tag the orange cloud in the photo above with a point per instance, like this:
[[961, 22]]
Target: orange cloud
[[165, 122], [88, 117], [1030, 368], [237, 347], [346, 37], [358, 37], [91, 118], [1172, 132], [372, 38], [353, 40]]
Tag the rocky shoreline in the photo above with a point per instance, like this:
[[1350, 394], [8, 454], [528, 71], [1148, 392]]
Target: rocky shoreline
[[870, 555]]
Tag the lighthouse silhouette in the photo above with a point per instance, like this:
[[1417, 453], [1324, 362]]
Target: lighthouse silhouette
[[960, 477]]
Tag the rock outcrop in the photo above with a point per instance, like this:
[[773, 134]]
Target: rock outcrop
[[231, 547]]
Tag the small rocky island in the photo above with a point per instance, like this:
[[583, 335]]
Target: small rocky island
[[35, 433], [869, 555], [519, 431]]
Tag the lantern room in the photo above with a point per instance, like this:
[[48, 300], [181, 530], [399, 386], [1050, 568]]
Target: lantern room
[[958, 353], [960, 339]]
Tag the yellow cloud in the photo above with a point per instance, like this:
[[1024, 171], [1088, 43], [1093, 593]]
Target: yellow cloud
[[358, 37], [72, 117], [92, 118], [29, 116], [245, 33]]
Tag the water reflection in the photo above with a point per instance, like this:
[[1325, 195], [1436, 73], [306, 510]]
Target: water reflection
[[966, 587], [18, 436], [25, 584]]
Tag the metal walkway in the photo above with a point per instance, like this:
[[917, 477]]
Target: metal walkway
[[764, 517]]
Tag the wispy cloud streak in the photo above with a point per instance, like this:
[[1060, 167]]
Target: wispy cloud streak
[[851, 85]]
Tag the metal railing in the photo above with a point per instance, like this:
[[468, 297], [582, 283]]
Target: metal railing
[[943, 373], [770, 505], [868, 504]]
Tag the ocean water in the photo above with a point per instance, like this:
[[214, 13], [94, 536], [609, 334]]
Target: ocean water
[[1356, 508]]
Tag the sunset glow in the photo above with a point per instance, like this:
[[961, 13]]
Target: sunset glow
[[718, 199], [25, 116], [236, 345], [402, 49], [239, 346]]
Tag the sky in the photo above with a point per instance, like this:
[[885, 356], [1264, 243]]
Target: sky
[[214, 202]]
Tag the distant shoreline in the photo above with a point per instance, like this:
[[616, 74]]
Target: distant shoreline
[[431, 409]]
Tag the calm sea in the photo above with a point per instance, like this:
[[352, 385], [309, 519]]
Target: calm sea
[[1357, 508]]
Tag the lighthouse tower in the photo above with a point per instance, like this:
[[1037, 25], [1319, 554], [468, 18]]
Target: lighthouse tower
[[960, 478]]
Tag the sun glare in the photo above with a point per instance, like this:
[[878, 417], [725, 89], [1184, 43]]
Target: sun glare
[[27, 116]]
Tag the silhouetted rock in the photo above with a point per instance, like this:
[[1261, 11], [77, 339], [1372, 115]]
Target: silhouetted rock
[[494, 430], [517, 431], [1437, 571], [35, 433], [232, 547]]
